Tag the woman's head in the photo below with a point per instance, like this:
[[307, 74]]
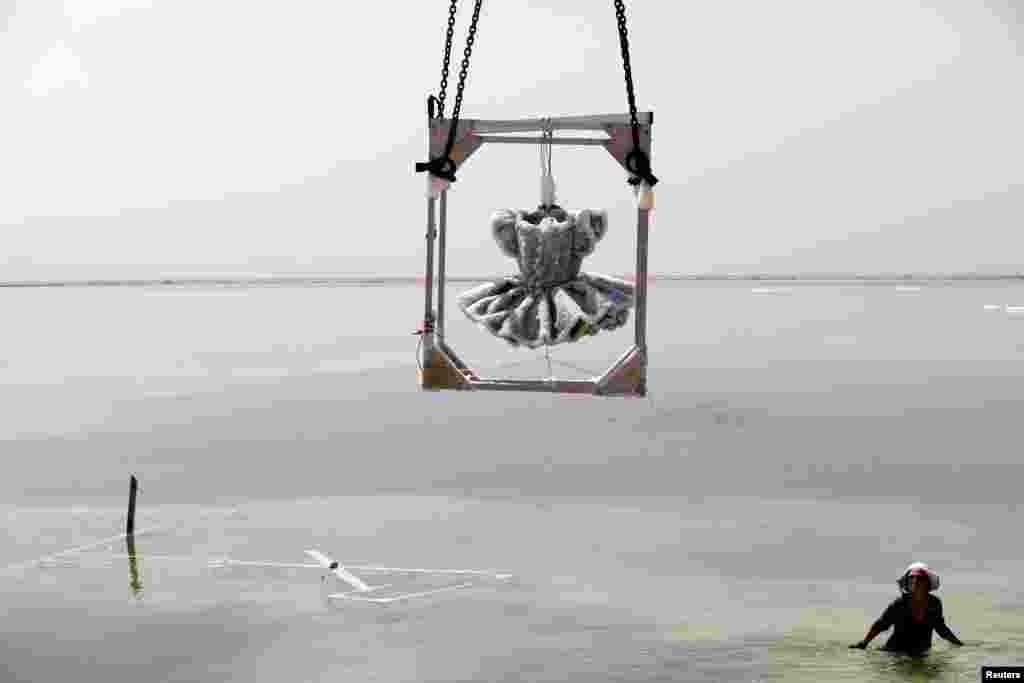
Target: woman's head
[[918, 578]]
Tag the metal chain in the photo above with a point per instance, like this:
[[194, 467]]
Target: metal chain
[[636, 161], [443, 166], [447, 56], [620, 14], [465, 60]]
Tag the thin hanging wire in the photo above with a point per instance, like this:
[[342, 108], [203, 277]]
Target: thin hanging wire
[[589, 372], [545, 151]]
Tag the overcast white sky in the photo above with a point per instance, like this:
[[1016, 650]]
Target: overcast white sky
[[148, 137]]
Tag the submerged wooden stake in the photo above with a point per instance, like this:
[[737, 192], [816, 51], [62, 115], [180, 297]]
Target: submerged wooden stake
[[134, 582], [133, 487]]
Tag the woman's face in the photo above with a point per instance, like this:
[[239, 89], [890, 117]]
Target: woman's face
[[918, 584]]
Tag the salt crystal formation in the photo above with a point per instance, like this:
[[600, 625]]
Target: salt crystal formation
[[550, 301]]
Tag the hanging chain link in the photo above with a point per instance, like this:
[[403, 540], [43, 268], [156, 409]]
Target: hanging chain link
[[464, 69], [620, 15], [443, 166], [447, 57], [636, 161]]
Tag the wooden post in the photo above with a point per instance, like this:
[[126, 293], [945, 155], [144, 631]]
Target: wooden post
[[133, 487]]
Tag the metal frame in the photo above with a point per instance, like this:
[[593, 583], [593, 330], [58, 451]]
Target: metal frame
[[440, 367]]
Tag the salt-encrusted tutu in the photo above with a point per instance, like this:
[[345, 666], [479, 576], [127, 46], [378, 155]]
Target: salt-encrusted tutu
[[550, 301]]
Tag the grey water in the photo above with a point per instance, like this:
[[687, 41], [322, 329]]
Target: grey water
[[801, 444]]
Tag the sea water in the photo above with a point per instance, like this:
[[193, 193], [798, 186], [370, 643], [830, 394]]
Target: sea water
[[801, 445]]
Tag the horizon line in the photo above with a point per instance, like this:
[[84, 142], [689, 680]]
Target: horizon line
[[410, 279]]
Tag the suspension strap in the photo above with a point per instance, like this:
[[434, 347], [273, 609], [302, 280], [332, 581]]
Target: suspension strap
[[547, 180], [443, 166], [636, 161]]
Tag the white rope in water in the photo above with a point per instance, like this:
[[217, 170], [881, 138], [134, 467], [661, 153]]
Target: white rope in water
[[224, 562], [79, 549], [355, 597]]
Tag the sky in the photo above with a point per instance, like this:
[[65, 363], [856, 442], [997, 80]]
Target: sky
[[146, 138]]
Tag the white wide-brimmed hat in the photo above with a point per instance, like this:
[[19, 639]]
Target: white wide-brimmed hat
[[919, 569]]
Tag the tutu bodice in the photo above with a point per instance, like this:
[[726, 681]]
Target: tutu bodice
[[547, 253]]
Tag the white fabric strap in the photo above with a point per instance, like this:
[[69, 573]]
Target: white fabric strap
[[547, 180]]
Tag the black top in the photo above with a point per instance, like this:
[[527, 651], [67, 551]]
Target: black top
[[910, 635]]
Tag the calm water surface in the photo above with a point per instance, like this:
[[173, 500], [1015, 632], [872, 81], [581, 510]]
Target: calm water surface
[[801, 445]]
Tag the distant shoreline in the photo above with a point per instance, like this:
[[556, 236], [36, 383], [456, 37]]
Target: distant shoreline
[[401, 279]]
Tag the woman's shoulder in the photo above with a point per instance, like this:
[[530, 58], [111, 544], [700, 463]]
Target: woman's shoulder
[[897, 604]]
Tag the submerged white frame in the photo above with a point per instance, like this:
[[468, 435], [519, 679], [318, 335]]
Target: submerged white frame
[[440, 368], [360, 593]]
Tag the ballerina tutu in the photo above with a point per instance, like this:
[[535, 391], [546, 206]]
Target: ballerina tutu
[[550, 301]]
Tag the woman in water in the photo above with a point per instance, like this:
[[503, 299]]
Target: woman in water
[[913, 615]]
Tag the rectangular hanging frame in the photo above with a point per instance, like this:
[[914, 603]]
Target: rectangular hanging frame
[[440, 367]]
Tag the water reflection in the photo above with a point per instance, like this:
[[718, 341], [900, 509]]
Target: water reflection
[[134, 580]]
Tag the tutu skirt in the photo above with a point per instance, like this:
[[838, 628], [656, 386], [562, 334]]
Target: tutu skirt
[[549, 315]]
